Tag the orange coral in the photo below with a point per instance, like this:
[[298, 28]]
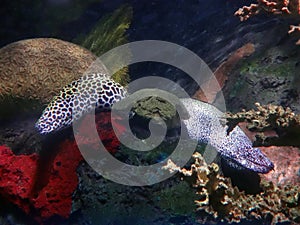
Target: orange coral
[[276, 7], [272, 6]]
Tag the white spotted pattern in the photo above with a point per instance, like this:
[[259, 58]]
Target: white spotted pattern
[[204, 125], [81, 96]]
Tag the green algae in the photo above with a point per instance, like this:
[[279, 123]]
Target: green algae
[[155, 107], [178, 199], [107, 34], [265, 76], [285, 69], [238, 86], [277, 61]]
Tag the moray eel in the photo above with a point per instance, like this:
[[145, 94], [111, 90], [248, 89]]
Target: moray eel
[[77, 98], [203, 124]]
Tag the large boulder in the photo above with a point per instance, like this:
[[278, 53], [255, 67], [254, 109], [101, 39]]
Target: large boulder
[[38, 68]]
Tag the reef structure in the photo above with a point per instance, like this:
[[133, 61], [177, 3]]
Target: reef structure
[[266, 118], [277, 7]]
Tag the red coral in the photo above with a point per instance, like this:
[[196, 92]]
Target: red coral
[[56, 197], [105, 131], [19, 175]]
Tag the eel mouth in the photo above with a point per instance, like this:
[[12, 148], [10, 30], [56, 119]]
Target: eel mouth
[[263, 168], [261, 162], [264, 165]]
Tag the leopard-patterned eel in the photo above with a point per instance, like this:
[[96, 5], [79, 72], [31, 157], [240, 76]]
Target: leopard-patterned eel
[[77, 98], [203, 124]]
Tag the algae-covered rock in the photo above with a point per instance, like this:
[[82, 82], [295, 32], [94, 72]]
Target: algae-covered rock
[[101, 201], [38, 68], [107, 34], [271, 76], [152, 107], [178, 199], [154, 104]]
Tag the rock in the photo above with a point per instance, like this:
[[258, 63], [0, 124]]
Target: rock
[[270, 76], [286, 160], [38, 68]]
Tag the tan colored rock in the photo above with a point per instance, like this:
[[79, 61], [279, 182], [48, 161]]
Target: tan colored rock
[[38, 68]]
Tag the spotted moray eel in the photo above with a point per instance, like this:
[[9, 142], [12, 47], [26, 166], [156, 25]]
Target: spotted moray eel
[[81, 96], [203, 124]]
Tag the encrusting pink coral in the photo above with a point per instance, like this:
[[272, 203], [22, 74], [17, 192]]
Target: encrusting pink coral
[[212, 88]]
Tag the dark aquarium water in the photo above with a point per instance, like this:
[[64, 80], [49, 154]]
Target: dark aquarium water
[[149, 112]]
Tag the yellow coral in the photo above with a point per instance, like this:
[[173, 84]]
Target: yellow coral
[[219, 198]]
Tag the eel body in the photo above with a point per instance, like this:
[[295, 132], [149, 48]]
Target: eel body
[[205, 125], [81, 96], [98, 90]]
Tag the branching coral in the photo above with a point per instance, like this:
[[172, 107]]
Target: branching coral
[[294, 28], [282, 120], [272, 6], [219, 198], [276, 7]]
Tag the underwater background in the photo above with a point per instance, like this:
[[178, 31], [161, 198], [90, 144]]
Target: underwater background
[[47, 44]]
